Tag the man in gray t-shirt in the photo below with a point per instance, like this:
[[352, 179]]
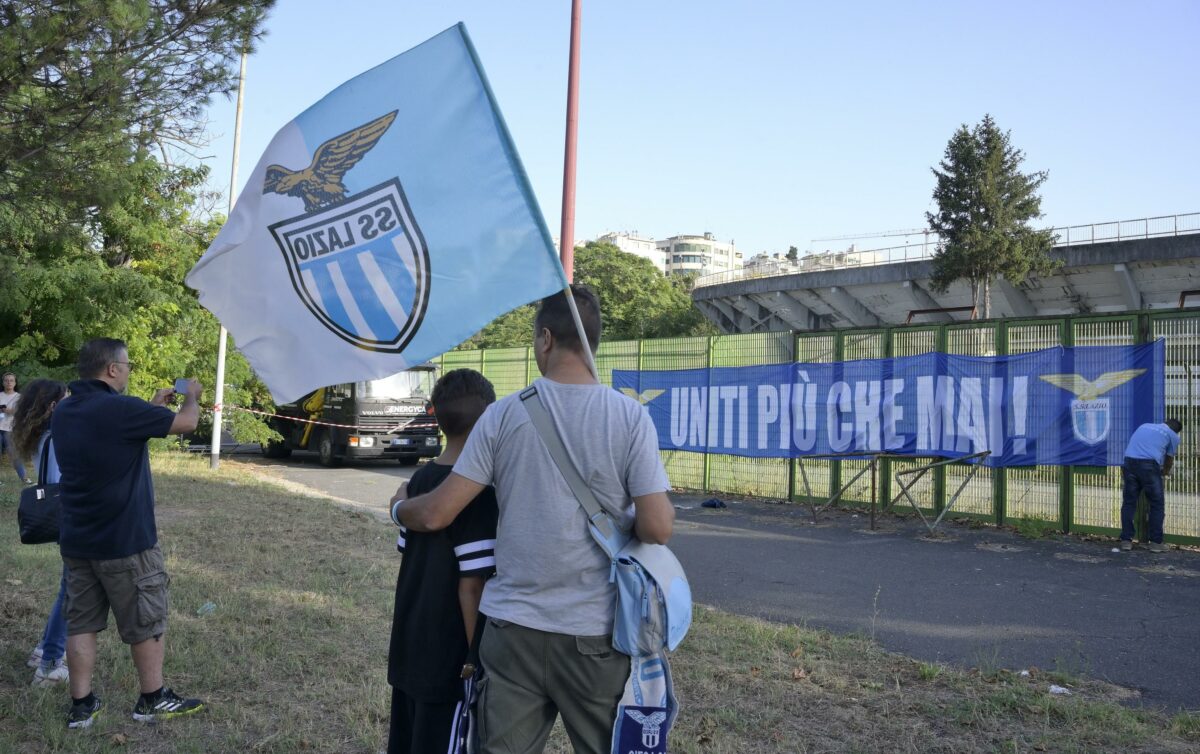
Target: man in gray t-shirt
[[547, 648]]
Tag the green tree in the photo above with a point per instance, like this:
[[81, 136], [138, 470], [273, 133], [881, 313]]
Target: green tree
[[683, 318], [97, 227], [793, 254], [86, 85], [511, 330], [131, 287], [638, 302], [985, 204]]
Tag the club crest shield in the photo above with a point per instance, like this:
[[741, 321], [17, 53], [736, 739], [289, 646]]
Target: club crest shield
[[360, 265], [1090, 420], [649, 738], [1090, 414]]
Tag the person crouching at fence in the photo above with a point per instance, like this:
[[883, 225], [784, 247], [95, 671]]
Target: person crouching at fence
[[440, 584], [1148, 460]]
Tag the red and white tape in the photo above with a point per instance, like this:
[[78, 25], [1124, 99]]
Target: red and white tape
[[301, 421]]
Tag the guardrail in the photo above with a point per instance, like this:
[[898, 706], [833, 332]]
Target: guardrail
[[1072, 235]]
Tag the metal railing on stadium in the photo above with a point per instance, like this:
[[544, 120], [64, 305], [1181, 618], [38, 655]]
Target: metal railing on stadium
[[1071, 235]]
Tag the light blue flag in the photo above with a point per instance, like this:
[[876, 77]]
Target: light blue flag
[[383, 226]]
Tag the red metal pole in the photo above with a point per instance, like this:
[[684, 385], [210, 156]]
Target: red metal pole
[[567, 233]]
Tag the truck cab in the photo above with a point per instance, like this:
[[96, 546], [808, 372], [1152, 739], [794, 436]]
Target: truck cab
[[386, 418]]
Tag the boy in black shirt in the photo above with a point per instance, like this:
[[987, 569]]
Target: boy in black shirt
[[440, 583]]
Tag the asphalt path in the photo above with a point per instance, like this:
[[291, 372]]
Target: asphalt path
[[973, 597], [365, 484]]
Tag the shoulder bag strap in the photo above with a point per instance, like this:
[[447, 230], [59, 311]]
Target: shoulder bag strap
[[44, 462], [472, 659], [558, 452]]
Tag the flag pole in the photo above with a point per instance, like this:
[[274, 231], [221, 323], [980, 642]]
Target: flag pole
[[566, 235], [219, 388]]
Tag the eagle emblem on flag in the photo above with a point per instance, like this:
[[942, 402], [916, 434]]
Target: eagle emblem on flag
[[320, 184]]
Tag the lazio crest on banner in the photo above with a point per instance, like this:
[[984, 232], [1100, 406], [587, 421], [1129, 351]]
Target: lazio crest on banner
[[383, 226]]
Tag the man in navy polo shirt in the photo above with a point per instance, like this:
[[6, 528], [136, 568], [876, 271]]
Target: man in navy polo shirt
[[1148, 459], [107, 534]]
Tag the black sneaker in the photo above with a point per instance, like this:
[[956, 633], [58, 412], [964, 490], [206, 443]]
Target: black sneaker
[[168, 705], [82, 714]]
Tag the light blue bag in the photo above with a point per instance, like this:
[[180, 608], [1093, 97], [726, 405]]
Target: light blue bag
[[654, 601]]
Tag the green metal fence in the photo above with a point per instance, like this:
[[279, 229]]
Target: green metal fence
[[816, 479], [1078, 498], [1034, 492], [926, 491]]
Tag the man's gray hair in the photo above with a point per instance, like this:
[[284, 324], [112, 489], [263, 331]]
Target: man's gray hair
[[97, 354]]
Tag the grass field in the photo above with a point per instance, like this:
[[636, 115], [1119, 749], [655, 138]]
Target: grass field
[[293, 657]]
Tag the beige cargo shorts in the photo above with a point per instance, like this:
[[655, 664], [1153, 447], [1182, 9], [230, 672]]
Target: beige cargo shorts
[[134, 588]]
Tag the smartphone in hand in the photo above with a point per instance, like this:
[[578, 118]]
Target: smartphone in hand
[[181, 385]]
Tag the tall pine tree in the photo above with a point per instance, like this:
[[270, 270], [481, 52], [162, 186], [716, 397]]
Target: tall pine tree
[[985, 204]]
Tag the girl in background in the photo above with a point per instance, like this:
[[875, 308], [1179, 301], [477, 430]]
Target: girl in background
[[30, 435]]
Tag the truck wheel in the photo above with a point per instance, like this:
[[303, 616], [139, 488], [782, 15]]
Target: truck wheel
[[276, 449], [325, 449]]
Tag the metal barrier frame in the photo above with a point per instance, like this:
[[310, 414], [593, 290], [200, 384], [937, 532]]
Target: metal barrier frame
[[871, 466], [920, 472]]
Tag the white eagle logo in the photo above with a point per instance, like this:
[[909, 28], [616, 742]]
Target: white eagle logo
[[643, 397], [651, 726], [1090, 414]]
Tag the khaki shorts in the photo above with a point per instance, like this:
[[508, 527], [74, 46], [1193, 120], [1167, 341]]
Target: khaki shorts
[[135, 588]]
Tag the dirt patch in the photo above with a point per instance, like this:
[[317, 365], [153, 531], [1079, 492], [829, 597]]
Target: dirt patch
[[1168, 570], [1078, 558], [939, 539], [999, 547]]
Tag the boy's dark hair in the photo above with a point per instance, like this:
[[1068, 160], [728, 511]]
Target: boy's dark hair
[[459, 399], [97, 354], [1175, 425], [554, 314]]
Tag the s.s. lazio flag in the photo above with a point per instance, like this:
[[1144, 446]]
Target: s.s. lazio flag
[[383, 226]]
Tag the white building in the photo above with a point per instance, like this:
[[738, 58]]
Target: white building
[[700, 255], [764, 264], [632, 243]]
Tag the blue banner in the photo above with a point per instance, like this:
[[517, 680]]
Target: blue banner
[[1057, 407]]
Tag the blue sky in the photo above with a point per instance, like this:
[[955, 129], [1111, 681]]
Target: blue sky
[[775, 123]]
